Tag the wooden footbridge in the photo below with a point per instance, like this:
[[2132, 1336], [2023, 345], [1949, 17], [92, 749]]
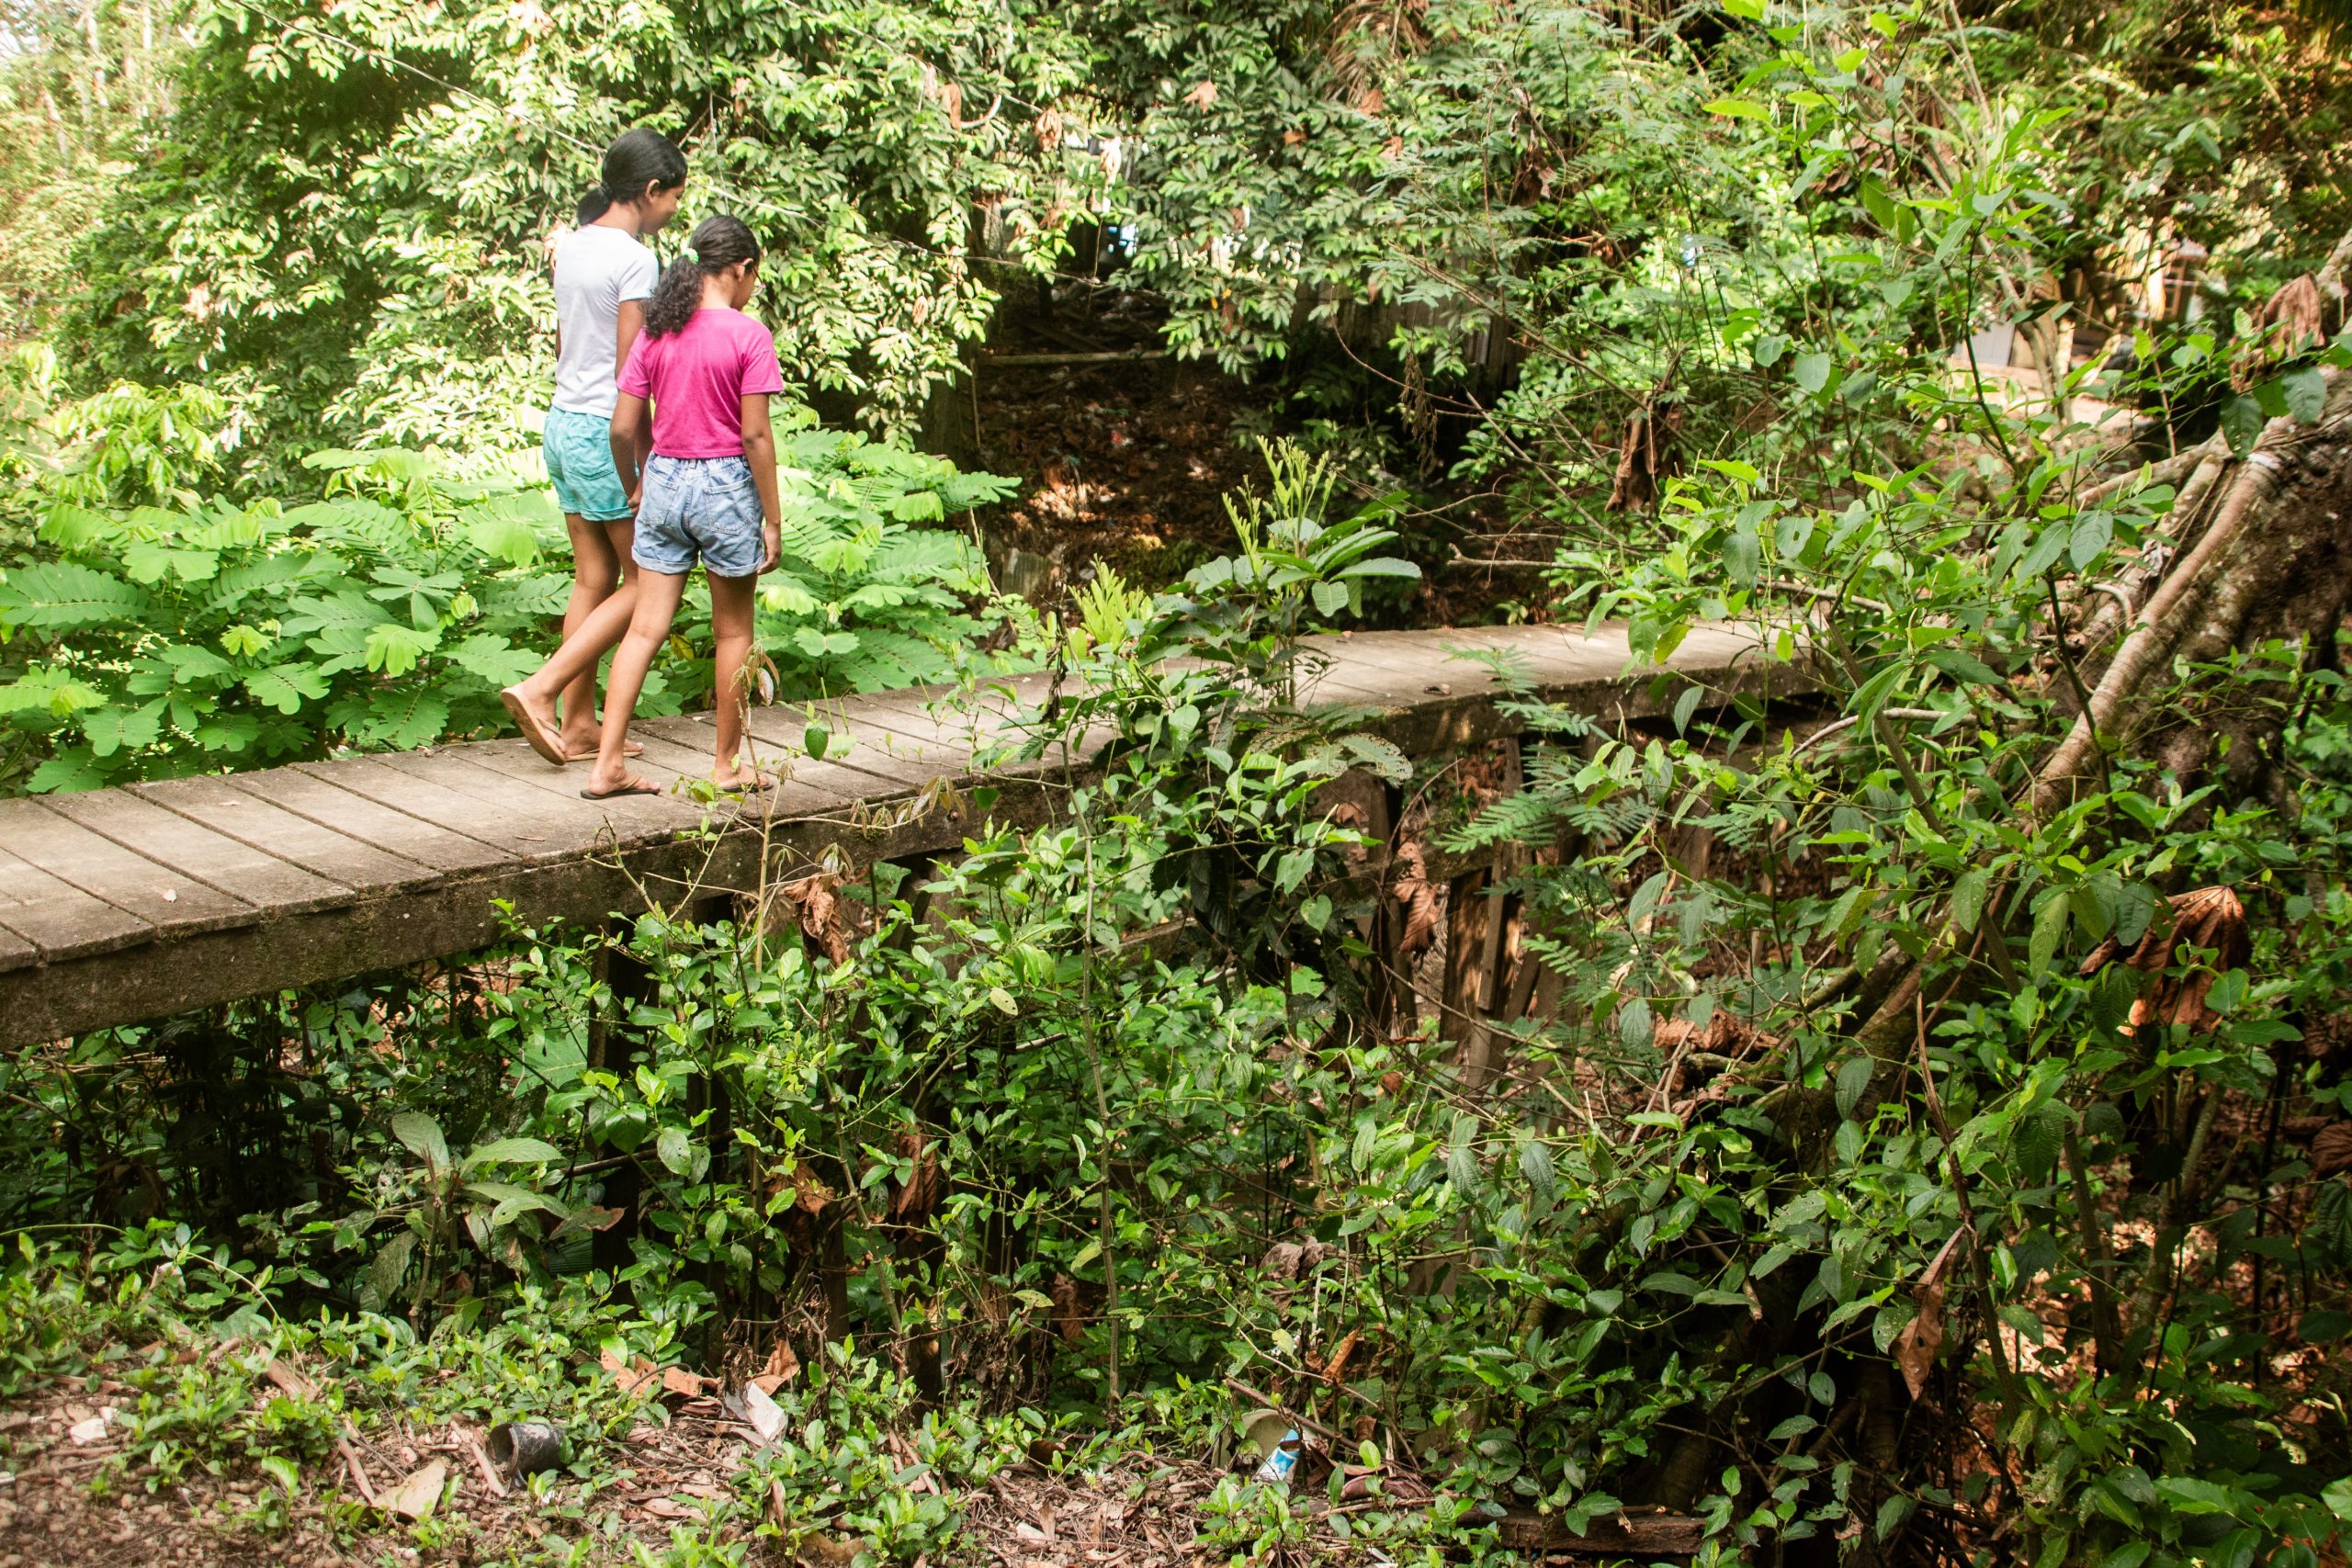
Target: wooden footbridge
[[127, 903]]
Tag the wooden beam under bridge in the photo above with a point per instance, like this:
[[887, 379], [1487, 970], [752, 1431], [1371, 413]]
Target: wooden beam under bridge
[[122, 904]]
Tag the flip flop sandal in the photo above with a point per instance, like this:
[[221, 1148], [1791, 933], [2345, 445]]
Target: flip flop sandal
[[544, 740], [628, 748], [752, 787], [633, 785]]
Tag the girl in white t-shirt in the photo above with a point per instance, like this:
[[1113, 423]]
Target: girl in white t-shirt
[[603, 274]]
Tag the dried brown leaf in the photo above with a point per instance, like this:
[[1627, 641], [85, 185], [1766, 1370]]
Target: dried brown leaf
[[919, 1200], [781, 1367], [1420, 900], [421, 1492], [1915, 1347], [686, 1384], [822, 919], [2290, 322], [1644, 458], [631, 1378], [2209, 918]]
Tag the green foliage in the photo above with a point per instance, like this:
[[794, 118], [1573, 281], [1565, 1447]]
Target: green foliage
[[875, 585], [347, 248], [82, 89], [166, 640], [152, 628]]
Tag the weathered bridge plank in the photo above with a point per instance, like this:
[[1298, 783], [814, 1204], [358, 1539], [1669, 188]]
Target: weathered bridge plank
[[250, 875], [266, 825], [52, 920], [168, 900], [123, 905], [16, 953], [329, 805]]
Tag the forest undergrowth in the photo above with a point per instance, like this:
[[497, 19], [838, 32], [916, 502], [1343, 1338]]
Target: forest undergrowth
[[1902, 1118]]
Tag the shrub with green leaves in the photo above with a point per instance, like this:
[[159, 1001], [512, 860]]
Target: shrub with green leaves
[[866, 597], [166, 640], [150, 631]]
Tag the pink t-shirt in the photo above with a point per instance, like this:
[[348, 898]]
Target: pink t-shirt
[[697, 379]]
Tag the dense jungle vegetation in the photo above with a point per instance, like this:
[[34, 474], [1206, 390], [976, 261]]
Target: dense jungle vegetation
[[1902, 1118]]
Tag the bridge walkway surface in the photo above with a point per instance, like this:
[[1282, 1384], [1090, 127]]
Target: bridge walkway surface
[[127, 904]]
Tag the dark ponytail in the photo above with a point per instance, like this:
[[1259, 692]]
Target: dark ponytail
[[637, 158], [718, 243]]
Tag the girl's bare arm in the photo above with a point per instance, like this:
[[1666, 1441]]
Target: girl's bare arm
[[758, 450], [632, 322], [631, 437]]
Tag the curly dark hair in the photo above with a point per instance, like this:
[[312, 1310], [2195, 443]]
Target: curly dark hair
[[718, 243]]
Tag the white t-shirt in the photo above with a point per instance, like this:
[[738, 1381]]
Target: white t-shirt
[[595, 270]]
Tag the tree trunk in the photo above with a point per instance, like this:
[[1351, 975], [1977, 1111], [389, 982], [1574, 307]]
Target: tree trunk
[[2266, 560], [2273, 563]]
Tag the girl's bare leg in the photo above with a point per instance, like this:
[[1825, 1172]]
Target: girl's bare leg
[[657, 605], [595, 574], [570, 669], [731, 627]]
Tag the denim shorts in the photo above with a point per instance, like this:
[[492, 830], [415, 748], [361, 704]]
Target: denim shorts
[[579, 449], [702, 509]]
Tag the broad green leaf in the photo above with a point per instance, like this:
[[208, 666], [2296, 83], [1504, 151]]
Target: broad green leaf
[[2193, 1494], [2036, 1141], [2049, 926], [2094, 531], [420, 1136], [283, 1471], [58, 594], [386, 1270], [1535, 1164], [286, 687], [513, 1151], [2241, 422], [1963, 667], [2305, 391], [1968, 893], [2135, 906], [394, 649], [1740, 557], [1854, 1076]]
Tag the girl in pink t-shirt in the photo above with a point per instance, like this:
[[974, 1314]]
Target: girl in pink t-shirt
[[709, 491]]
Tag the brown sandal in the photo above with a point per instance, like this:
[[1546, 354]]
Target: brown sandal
[[630, 785], [543, 739]]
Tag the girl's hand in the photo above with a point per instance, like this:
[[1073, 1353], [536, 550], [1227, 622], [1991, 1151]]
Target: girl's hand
[[770, 545]]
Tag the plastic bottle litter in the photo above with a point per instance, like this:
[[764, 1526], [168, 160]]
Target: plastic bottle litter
[[1277, 1470]]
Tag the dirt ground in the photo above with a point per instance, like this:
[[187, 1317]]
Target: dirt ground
[[1127, 461], [82, 1504]]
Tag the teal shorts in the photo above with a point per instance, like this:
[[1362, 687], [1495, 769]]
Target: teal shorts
[[580, 461]]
